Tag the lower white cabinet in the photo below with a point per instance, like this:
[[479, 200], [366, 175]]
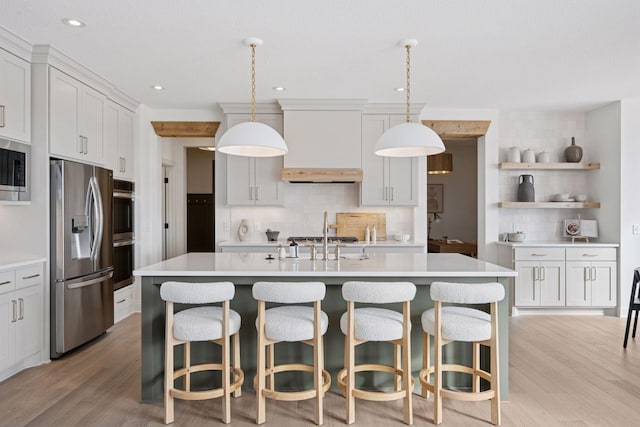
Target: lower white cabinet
[[591, 277], [21, 321], [122, 303], [571, 276]]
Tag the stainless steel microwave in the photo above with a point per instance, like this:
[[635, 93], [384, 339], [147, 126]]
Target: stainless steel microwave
[[15, 158]]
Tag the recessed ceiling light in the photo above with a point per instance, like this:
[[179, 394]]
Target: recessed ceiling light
[[157, 87], [73, 22], [279, 88], [399, 89], [208, 148]]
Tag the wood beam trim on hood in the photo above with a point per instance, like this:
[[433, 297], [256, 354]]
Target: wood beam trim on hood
[[321, 175], [458, 129], [186, 129]]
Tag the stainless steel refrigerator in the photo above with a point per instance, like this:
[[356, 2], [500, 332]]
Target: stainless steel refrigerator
[[81, 254]]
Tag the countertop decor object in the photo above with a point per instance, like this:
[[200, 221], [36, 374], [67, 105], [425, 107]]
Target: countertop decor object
[[526, 191], [409, 139], [573, 153], [518, 236], [251, 138], [272, 235], [243, 230]]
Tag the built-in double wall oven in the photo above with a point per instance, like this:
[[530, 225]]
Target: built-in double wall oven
[[123, 235]]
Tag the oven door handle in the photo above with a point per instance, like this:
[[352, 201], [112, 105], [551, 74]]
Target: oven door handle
[[120, 243]]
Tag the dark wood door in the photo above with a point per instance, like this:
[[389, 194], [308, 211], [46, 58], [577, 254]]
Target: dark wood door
[[200, 221]]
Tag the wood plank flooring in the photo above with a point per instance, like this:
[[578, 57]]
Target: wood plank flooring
[[565, 371]]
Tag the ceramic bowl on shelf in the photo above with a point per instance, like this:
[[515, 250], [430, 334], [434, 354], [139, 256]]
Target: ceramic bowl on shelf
[[580, 197], [517, 237]]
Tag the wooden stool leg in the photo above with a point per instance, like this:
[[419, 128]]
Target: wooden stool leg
[[317, 362], [187, 365], [351, 401], [437, 377], [426, 361], [475, 387], [495, 374], [236, 362], [397, 363], [226, 362], [406, 364], [260, 399], [168, 365], [271, 362]]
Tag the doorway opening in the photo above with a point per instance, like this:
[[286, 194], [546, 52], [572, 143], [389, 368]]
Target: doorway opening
[[200, 200]]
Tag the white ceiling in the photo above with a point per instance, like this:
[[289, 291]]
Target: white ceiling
[[507, 54]]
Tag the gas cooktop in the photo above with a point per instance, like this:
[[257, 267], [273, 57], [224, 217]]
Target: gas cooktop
[[315, 239]]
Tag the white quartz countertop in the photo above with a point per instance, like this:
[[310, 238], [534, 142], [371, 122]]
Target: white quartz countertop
[[262, 243], [377, 265], [9, 262], [561, 244]]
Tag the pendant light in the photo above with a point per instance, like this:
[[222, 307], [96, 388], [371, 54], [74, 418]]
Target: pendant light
[[440, 164], [252, 139], [409, 139]]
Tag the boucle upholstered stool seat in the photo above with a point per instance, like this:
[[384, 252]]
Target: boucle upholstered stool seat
[[459, 323], [291, 323], [204, 323], [377, 324]]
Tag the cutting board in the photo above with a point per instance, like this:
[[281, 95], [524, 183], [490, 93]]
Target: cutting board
[[354, 224]]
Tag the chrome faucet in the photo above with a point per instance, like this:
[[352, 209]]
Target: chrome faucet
[[325, 237]]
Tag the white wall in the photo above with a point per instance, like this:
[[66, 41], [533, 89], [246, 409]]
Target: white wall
[[459, 219], [629, 199], [551, 132]]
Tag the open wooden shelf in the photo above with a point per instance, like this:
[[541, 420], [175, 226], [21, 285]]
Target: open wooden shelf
[[549, 166], [549, 205]]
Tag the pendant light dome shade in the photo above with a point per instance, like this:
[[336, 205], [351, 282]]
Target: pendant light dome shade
[[409, 140], [252, 139]]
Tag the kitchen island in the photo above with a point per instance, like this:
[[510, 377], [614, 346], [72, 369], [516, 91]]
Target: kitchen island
[[243, 269]]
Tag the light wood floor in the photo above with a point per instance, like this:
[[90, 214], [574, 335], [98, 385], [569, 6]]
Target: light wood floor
[[565, 371]]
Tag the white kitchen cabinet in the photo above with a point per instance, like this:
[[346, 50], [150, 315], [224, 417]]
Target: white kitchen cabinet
[[255, 181], [591, 277], [21, 321], [15, 97], [386, 180], [541, 277], [122, 303], [76, 118], [118, 141]]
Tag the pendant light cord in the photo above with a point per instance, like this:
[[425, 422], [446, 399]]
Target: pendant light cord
[[408, 83], [253, 82]]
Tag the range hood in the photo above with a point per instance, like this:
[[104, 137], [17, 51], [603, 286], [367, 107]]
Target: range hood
[[324, 137]]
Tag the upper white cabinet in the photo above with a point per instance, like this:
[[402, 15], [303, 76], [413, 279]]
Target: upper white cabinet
[[255, 180], [118, 141], [386, 180], [76, 118], [15, 97]]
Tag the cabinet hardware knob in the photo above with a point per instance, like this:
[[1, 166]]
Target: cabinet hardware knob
[[5, 282], [21, 316], [14, 318], [121, 301], [30, 277], [538, 254], [3, 124]]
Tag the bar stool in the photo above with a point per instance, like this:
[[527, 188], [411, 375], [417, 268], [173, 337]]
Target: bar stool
[[204, 323], [291, 323], [456, 323], [634, 306], [377, 324]]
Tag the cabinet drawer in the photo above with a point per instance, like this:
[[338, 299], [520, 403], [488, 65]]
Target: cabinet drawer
[[7, 281], [591, 254], [122, 303], [539, 254], [29, 276]]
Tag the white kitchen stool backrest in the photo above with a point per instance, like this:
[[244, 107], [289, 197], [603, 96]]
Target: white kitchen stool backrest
[[289, 292], [197, 293], [378, 292], [467, 293]]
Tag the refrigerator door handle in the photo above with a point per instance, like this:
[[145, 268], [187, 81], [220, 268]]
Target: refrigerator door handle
[[90, 281], [97, 205]]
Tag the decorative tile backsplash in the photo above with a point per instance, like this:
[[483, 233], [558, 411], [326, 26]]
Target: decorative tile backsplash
[[550, 131], [304, 212]]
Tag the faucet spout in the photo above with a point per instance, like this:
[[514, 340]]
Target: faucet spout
[[325, 237]]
